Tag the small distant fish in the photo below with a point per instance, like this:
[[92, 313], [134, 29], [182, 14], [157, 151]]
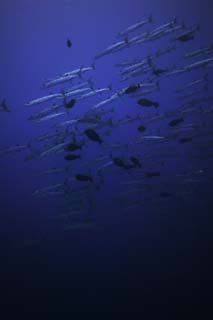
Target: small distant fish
[[92, 135], [70, 157], [185, 140], [3, 106], [72, 147], [141, 128], [69, 43], [132, 89], [175, 122], [136, 162], [118, 162], [70, 104], [151, 174], [83, 177], [147, 103]]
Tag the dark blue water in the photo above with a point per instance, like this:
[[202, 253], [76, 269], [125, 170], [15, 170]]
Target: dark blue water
[[153, 255]]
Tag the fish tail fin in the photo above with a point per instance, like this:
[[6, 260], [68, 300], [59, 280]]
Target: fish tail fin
[[126, 39], [110, 87], [79, 73], [150, 19], [91, 84], [156, 105], [174, 20], [93, 66]]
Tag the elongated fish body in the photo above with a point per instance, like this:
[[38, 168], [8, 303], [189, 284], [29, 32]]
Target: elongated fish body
[[136, 73], [165, 26], [136, 66], [193, 83], [51, 116], [160, 53], [106, 165], [14, 149], [93, 93], [44, 112], [67, 123], [78, 71], [127, 63], [135, 27], [200, 64], [107, 101], [113, 48], [52, 149], [51, 136], [160, 34], [54, 82], [199, 52], [43, 99], [74, 92], [47, 189], [51, 171]]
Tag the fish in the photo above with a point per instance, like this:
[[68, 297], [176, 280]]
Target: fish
[[127, 63], [140, 65], [160, 53], [93, 93], [83, 177], [70, 104], [200, 52], [141, 128], [187, 35], [16, 148], [105, 165], [133, 88], [136, 161], [156, 35], [135, 27], [43, 99], [115, 47], [70, 157], [69, 43], [3, 106], [49, 188], [147, 103], [74, 92], [175, 122], [199, 64], [92, 135], [158, 71], [107, 101], [118, 162], [151, 174], [194, 83], [79, 71], [185, 140], [45, 112], [53, 171], [51, 116], [59, 80], [73, 147], [52, 149]]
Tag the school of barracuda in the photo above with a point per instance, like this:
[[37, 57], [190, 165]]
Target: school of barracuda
[[138, 159]]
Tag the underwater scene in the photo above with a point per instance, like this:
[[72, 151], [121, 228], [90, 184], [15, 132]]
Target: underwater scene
[[106, 155]]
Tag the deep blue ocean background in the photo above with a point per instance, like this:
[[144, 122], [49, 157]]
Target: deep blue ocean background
[[155, 255]]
